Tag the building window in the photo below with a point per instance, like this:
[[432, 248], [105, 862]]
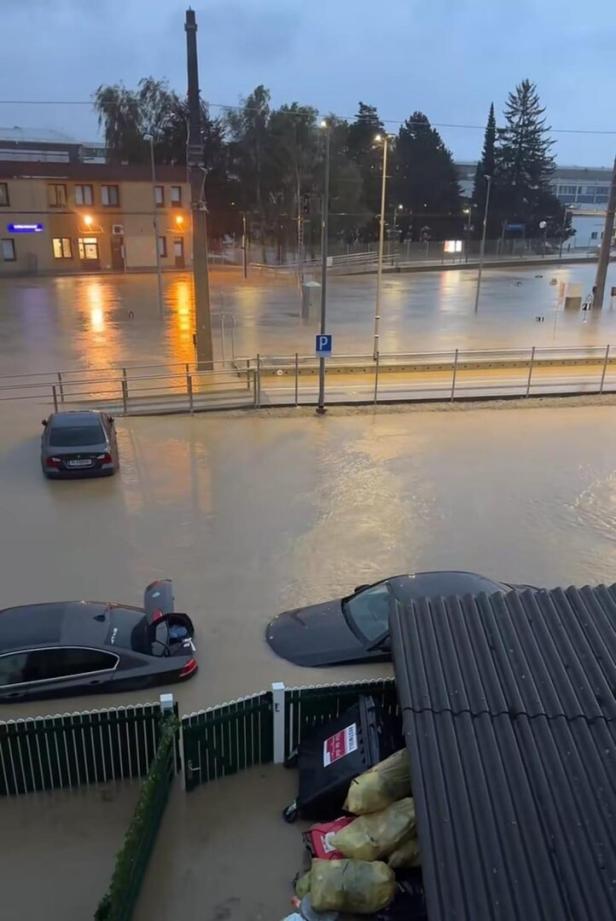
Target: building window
[[594, 235], [176, 195], [110, 196], [159, 196], [162, 247], [4, 194], [57, 195], [88, 249], [84, 195], [62, 248], [178, 248], [567, 190], [8, 251]]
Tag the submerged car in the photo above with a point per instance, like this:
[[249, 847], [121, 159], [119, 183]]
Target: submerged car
[[356, 628], [76, 444], [66, 648]]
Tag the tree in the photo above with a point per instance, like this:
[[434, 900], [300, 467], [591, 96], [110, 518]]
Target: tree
[[362, 150], [524, 165], [425, 181], [485, 167]]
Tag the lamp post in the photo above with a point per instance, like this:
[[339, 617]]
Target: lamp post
[[324, 237], [159, 276], [543, 225], [467, 212], [482, 249], [379, 272]]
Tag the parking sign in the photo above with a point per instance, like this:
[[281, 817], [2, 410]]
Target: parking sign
[[323, 345]]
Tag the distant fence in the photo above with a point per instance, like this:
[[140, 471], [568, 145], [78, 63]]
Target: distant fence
[[131, 861], [97, 746]]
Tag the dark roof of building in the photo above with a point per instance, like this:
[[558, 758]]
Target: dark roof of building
[[510, 720], [94, 172]]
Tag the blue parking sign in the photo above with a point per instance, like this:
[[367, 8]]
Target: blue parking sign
[[323, 345]]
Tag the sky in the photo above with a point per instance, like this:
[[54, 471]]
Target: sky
[[447, 58]]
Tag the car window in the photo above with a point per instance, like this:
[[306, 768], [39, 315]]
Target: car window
[[72, 436], [47, 664], [12, 668], [369, 611], [128, 629]]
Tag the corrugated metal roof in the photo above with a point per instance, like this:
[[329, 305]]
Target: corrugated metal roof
[[510, 719]]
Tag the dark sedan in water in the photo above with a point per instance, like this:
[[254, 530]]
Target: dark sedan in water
[[65, 648], [76, 444], [356, 628]]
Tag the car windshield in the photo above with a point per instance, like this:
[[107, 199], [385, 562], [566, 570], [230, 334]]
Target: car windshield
[[72, 436], [369, 611], [129, 630]]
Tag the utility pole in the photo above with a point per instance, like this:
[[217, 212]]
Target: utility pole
[[606, 243], [379, 268], [161, 312], [203, 321], [244, 246], [324, 239]]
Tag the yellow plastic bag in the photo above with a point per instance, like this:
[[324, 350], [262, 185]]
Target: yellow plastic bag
[[356, 886], [406, 855], [370, 837], [386, 782], [302, 885]]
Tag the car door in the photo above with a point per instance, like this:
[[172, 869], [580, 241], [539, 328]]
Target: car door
[[58, 671]]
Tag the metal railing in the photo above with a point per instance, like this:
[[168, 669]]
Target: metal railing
[[291, 380]]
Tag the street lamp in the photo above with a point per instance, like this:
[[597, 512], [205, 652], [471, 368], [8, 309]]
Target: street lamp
[[543, 225], [88, 220], [324, 236], [377, 307], [482, 249], [149, 137], [467, 212]]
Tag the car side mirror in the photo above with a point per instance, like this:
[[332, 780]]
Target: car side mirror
[[360, 588], [43, 421]]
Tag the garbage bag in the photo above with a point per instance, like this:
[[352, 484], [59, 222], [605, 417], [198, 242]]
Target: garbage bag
[[382, 784], [356, 886], [302, 885], [370, 837], [406, 855]]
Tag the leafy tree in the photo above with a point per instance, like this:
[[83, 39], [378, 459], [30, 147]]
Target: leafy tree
[[524, 164], [425, 181]]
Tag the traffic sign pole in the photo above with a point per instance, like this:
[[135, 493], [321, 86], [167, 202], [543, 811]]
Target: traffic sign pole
[[324, 235]]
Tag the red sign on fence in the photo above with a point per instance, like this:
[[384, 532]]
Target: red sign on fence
[[340, 744]]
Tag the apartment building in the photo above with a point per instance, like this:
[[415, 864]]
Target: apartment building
[[90, 217]]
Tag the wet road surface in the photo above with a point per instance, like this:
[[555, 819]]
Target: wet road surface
[[94, 321], [252, 515]]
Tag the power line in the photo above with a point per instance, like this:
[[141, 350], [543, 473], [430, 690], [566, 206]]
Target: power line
[[240, 108]]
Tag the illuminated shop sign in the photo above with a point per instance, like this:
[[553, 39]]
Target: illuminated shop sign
[[25, 228]]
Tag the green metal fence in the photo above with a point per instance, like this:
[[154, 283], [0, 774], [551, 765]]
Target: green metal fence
[[306, 707], [132, 859], [98, 746], [226, 739]]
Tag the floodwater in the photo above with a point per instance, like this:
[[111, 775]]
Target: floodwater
[[251, 515], [92, 321]]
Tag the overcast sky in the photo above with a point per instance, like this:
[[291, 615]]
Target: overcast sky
[[448, 58]]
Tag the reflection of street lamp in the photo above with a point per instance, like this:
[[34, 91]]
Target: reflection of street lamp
[[377, 307], [482, 249], [324, 234], [148, 137]]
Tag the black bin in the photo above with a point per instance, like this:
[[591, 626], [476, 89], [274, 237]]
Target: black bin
[[337, 752]]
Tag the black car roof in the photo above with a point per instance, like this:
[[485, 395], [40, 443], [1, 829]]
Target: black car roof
[[510, 722], [75, 417], [56, 622]]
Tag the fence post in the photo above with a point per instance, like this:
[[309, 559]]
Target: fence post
[[54, 394], [222, 338], [296, 379], [258, 383], [453, 378], [530, 370], [376, 375], [605, 361], [61, 386], [190, 392], [278, 696], [125, 396]]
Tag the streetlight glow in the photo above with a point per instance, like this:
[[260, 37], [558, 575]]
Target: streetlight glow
[[88, 220], [378, 138], [323, 123], [179, 219]]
